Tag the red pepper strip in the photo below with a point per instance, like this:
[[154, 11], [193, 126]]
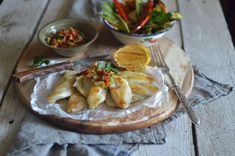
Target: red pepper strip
[[121, 10], [146, 16], [106, 81]]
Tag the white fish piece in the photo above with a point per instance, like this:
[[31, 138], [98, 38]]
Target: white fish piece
[[96, 96], [63, 88], [144, 89], [76, 102], [142, 84], [120, 91], [136, 77], [83, 85]]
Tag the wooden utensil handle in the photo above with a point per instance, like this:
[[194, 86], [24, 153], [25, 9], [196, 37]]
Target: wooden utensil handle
[[30, 74]]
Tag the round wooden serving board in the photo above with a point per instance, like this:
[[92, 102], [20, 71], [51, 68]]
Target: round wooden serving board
[[180, 68]]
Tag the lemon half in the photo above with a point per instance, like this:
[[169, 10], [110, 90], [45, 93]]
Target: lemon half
[[132, 57]]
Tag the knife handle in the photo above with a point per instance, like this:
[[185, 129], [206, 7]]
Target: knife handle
[[36, 72]]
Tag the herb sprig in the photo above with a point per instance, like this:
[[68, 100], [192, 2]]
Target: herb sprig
[[39, 60], [108, 66]]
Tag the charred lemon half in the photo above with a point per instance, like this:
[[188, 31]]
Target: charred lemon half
[[132, 57]]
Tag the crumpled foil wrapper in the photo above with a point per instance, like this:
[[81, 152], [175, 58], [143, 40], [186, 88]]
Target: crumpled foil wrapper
[[44, 86]]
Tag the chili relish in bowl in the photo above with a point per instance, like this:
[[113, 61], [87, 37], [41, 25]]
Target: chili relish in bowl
[[67, 38]]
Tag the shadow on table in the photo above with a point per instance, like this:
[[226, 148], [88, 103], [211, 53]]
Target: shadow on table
[[229, 12]]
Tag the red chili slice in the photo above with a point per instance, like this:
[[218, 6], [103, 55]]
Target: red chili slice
[[146, 16], [121, 10], [106, 81]]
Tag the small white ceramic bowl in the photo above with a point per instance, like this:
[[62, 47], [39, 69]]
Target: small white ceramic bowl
[[126, 38]]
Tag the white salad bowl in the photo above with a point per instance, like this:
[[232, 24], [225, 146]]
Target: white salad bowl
[[144, 39]]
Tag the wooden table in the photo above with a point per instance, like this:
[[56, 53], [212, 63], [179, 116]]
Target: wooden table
[[202, 33]]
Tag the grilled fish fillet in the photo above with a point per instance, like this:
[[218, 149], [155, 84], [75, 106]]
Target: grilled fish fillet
[[143, 89], [83, 85], [141, 84], [140, 92], [136, 77], [96, 96], [120, 91], [76, 102], [63, 88]]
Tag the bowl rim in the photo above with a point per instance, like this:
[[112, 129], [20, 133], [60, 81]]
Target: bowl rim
[[82, 20], [137, 35]]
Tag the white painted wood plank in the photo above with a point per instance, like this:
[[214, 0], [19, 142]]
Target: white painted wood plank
[[18, 19], [207, 40], [179, 140]]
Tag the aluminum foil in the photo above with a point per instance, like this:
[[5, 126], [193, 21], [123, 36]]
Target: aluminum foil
[[44, 86]]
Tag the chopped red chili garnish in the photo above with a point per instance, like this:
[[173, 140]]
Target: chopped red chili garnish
[[99, 76], [106, 81]]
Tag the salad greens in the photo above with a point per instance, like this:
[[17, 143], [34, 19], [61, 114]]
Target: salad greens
[[139, 16], [114, 18]]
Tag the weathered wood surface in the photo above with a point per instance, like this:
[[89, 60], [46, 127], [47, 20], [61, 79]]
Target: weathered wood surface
[[17, 24], [179, 141], [207, 40], [26, 16], [29, 22]]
